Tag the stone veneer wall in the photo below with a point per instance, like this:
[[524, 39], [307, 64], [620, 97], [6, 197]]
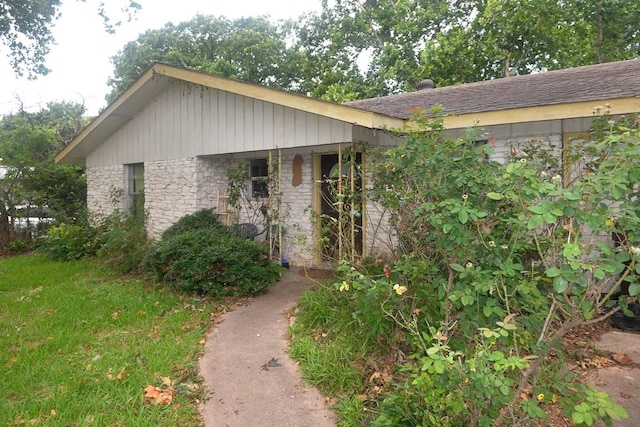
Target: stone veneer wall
[[102, 182], [296, 201], [296, 211], [380, 237], [170, 188]]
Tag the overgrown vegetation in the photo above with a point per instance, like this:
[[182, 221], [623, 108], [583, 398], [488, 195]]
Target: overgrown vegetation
[[197, 254], [495, 264], [35, 192], [201, 255], [81, 346]]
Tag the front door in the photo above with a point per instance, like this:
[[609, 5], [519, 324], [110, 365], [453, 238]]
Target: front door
[[341, 207]]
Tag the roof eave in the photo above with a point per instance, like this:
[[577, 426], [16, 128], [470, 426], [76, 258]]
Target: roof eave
[[146, 88], [583, 109]]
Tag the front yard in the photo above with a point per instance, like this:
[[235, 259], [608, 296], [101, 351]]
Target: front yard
[[81, 347]]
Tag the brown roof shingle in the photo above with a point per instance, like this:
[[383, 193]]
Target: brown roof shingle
[[589, 83]]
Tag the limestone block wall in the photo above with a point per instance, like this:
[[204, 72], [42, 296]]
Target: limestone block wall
[[102, 184], [295, 202], [211, 181], [170, 192], [296, 209]]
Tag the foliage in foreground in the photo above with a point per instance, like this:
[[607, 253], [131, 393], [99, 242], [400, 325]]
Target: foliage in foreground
[[81, 347], [118, 240], [201, 255], [496, 264]]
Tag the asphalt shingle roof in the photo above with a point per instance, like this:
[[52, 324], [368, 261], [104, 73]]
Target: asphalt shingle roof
[[589, 83]]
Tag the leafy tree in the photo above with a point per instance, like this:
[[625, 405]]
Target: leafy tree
[[336, 42], [456, 41], [25, 28], [31, 185], [513, 37], [249, 49]]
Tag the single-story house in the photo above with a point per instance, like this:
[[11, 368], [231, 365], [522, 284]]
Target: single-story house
[[175, 132]]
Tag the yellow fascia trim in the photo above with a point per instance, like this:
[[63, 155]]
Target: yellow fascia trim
[[544, 112], [287, 99]]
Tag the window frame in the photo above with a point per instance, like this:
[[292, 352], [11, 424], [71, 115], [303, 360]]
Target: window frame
[[259, 178], [135, 190]]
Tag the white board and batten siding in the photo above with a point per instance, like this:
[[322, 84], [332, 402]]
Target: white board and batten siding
[[189, 120]]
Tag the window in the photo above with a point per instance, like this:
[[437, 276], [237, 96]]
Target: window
[[481, 142], [135, 189], [259, 173]]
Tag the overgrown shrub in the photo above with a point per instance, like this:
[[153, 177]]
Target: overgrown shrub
[[496, 264], [202, 219], [118, 240], [199, 254], [123, 243], [70, 241]]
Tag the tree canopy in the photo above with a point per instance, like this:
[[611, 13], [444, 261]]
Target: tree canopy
[[354, 49], [249, 49], [31, 184], [25, 29]]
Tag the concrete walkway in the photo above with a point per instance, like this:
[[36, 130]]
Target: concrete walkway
[[622, 382], [250, 378]]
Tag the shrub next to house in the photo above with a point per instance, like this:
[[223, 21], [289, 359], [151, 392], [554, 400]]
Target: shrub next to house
[[201, 255]]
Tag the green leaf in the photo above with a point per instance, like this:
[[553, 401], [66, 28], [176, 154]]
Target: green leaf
[[467, 300], [553, 272], [571, 250], [457, 267], [560, 284], [598, 274], [537, 209], [534, 222], [495, 196], [463, 216], [577, 418], [505, 390], [438, 366], [432, 350], [634, 289]]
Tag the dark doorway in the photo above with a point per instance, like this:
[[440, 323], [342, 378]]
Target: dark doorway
[[341, 233]]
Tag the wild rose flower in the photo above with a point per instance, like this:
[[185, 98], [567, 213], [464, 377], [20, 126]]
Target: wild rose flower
[[399, 289], [387, 270]]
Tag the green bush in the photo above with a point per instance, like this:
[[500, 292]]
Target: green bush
[[202, 219], [70, 241], [199, 254], [123, 243]]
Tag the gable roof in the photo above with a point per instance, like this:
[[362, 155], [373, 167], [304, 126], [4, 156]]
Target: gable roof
[[572, 92], [157, 78]]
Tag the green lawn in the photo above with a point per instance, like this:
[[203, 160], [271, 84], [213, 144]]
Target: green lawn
[[78, 347]]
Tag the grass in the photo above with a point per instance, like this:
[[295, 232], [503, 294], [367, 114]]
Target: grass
[[78, 346], [330, 349]]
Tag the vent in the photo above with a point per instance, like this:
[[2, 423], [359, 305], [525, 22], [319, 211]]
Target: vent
[[425, 84]]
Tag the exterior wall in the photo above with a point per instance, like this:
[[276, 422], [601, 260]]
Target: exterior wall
[[170, 192], [212, 181], [296, 210], [102, 182], [189, 120], [189, 136], [295, 202]]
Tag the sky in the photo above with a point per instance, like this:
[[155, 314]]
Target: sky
[[80, 60]]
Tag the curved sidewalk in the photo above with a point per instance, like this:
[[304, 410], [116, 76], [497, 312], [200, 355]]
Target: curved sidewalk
[[249, 376]]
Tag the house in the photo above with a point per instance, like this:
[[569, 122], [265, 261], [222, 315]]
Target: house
[[167, 143]]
